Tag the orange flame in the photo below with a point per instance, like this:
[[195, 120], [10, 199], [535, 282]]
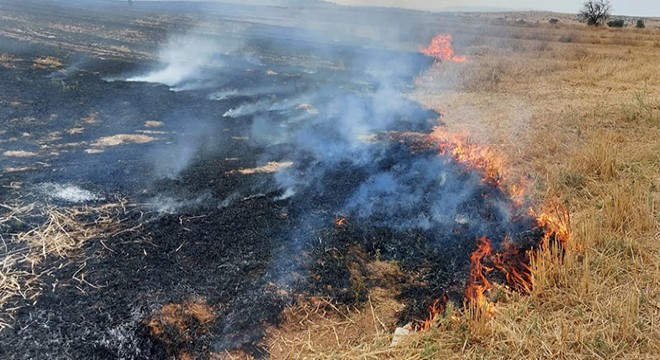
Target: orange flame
[[509, 260], [557, 223], [435, 312], [474, 156], [514, 264], [478, 283], [441, 49]]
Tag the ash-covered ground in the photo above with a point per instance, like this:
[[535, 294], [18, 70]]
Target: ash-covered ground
[[264, 159]]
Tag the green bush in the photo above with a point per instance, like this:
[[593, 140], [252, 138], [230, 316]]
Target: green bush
[[640, 24], [616, 23]]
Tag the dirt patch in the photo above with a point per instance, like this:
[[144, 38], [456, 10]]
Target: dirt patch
[[35, 166], [121, 139]]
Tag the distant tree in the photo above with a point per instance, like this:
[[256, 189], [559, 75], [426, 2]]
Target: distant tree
[[640, 24], [596, 12]]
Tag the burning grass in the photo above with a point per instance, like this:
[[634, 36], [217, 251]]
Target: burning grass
[[593, 284]]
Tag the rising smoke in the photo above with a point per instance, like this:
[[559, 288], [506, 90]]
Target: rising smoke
[[325, 107]]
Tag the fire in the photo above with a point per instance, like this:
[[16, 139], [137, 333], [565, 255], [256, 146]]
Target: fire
[[509, 260], [473, 156], [557, 223], [435, 312], [514, 264], [478, 284], [441, 49]]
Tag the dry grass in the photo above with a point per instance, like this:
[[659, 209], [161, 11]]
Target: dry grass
[[48, 62], [121, 139], [60, 231], [577, 111], [19, 153], [7, 61]]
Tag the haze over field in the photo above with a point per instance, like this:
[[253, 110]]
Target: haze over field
[[642, 8], [636, 8]]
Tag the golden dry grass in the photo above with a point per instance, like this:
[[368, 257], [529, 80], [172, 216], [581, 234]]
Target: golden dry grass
[[576, 111]]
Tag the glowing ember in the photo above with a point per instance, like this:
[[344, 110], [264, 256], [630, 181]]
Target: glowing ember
[[442, 50], [341, 222]]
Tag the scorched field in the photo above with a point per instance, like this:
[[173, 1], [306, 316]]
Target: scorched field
[[215, 181]]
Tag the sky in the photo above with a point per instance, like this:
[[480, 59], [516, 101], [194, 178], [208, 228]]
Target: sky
[[642, 8]]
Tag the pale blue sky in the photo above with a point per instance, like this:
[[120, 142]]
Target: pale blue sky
[[649, 8]]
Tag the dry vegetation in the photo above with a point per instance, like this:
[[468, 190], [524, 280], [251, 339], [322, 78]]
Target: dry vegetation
[[60, 232], [576, 112], [48, 62]]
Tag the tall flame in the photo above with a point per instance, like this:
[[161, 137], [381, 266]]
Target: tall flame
[[441, 49]]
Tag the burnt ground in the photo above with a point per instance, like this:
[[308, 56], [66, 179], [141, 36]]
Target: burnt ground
[[230, 248]]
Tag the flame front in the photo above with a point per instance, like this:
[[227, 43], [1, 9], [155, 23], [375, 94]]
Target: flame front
[[441, 49], [509, 259], [471, 155]]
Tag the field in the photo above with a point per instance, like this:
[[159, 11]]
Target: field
[[152, 237]]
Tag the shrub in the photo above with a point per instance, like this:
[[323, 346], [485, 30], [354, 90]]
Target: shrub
[[619, 23], [553, 21], [640, 24]]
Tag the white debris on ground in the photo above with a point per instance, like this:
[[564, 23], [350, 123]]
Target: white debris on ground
[[400, 334], [68, 193]]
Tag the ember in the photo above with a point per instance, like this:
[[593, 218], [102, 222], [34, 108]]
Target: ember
[[341, 221], [441, 49]]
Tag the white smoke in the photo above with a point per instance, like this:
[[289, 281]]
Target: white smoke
[[68, 193], [184, 60]]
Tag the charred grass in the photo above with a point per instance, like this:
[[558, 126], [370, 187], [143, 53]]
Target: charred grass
[[573, 110], [33, 233]]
